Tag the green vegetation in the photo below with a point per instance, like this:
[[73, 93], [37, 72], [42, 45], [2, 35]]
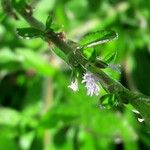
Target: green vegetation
[[68, 38]]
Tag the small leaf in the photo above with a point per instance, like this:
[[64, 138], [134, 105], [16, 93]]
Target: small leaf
[[97, 38], [29, 33], [110, 58], [49, 21], [108, 100], [93, 54], [88, 52]]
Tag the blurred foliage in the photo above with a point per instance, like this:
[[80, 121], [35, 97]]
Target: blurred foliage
[[38, 111]]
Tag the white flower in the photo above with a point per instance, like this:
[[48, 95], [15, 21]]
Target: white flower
[[74, 85], [91, 85]]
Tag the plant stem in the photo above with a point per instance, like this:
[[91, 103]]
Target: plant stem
[[139, 101], [31, 20]]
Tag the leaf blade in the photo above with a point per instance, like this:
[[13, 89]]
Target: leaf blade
[[110, 58], [49, 21], [99, 37], [29, 33]]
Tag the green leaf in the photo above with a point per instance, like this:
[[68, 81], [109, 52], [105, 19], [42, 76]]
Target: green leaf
[[7, 143], [49, 21], [110, 58], [6, 56], [27, 139], [142, 104], [97, 38], [57, 114], [108, 100], [88, 52], [29, 33], [9, 117], [60, 53]]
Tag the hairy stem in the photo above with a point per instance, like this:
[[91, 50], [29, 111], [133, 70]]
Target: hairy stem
[[139, 101]]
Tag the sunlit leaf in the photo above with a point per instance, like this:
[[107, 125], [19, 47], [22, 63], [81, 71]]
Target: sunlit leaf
[[88, 52], [6, 55], [97, 38], [9, 117], [26, 140]]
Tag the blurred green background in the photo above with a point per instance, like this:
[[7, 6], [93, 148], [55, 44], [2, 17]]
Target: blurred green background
[[37, 109]]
